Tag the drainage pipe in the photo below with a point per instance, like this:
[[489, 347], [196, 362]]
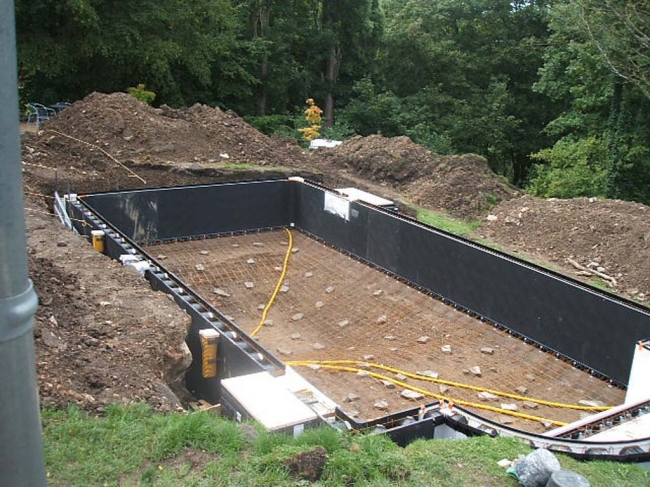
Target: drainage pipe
[[21, 445]]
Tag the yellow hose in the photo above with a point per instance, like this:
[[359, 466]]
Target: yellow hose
[[278, 285], [437, 396], [457, 384]]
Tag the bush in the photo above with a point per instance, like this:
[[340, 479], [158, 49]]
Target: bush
[[140, 92], [571, 169]]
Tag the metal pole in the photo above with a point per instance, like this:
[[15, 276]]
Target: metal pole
[[21, 445]]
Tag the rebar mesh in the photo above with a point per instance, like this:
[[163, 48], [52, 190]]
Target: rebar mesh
[[334, 307]]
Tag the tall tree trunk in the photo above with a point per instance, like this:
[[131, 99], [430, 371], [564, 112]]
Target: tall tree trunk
[[331, 71], [262, 21]]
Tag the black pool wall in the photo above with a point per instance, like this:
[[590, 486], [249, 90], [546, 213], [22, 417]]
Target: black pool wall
[[585, 324]]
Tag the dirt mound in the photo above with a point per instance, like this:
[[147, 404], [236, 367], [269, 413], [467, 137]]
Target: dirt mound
[[610, 237], [463, 186], [101, 334], [133, 130]]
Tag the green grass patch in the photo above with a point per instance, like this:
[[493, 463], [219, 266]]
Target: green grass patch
[[132, 446], [446, 223]]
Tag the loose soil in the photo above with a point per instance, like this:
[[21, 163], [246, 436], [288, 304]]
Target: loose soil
[[130, 347]]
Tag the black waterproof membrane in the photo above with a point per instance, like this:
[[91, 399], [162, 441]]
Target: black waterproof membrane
[[585, 325]]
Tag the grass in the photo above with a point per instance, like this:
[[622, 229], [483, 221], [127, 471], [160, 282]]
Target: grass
[[132, 446], [446, 223]]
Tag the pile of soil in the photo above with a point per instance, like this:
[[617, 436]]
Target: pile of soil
[[114, 141], [611, 237], [135, 132], [462, 186], [102, 336]]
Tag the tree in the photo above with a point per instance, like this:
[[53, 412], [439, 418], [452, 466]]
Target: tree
[[178, 48], [620, 30], [601, 110]]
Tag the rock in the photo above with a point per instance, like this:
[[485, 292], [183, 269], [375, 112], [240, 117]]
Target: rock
[[364, 365], [511, 221], [261, 307], [593, 404], [390, 337], [368, 357], [295, 250], [521, 390], [378, 292], [319, 304], [52, 341], [476, 370], [258, 244], [249, 284], [382, 319], [530, 377], [296, 336], [284, 351], [381, 405], [423, 339], [536, 468], [268, 322], [161, 256], [297, 317], [318, 346], [343, 323], [487, 350], [530, 405], [314, 366], [503, 419], [362, 374], [401, 377], [508, 407], [204, 252], [429, 373], [220, 292], [199, 267], [388, 384], [278, 268], [492, 218], [446, 349], [250, 261], [486, 396], [505, 463], [351, 397], [235, 245], [443, 388], [284, 289], [329, 289], [411, 395], [493, 369], [309, 274]]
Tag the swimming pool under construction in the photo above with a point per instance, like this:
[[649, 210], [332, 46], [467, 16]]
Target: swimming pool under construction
[[309, 307]]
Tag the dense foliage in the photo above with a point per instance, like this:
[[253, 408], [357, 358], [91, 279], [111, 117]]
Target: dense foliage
[[555, 93]]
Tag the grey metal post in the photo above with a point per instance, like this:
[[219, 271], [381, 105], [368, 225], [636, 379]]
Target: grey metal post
[[21, 444]]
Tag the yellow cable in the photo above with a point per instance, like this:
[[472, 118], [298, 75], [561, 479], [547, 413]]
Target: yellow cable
[[277, 287], [437, 396], [461, 385]]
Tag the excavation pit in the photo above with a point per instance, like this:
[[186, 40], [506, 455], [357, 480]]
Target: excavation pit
[[378, 312], [356, 312]]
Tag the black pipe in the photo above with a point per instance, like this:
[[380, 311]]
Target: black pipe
[[21, 445]]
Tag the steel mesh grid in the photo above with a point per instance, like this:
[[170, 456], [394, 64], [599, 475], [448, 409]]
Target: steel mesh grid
[[334, 307]]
